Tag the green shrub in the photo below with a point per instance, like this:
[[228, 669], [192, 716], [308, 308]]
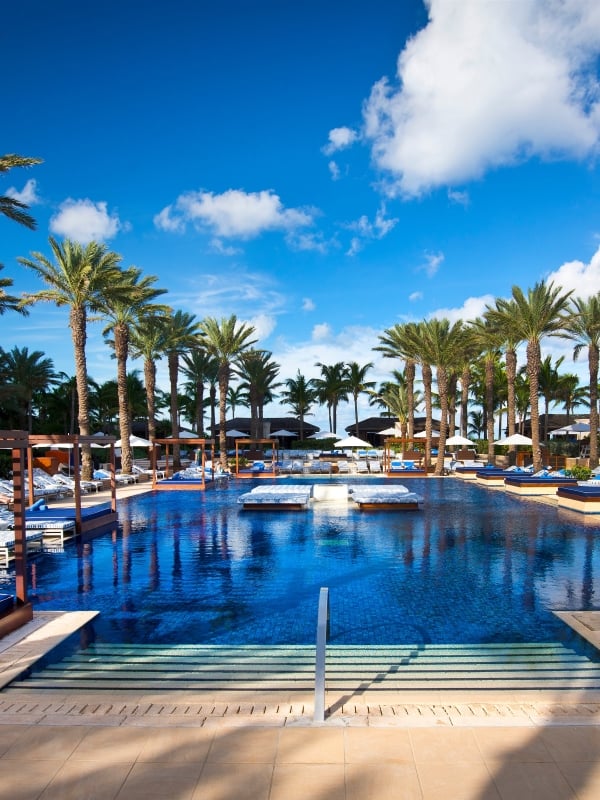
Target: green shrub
[[581, 473]]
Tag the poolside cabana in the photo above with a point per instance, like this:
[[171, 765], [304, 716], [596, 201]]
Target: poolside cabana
[[182, 480], [411, 462], [259, 467], [85, 519], [19, 611]]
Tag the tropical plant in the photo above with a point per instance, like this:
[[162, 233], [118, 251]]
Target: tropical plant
[[9, 206], [237, 396], [26, 375], [299, 395], [400, 342], [80, 278], [358, 384], [123, 313], [488, 341], [258, 373], [332, 388], [583, 327], [198, 366], [537, 314], [9, 301], [500, 319], [549, 385], [225, 339], [148, 339]]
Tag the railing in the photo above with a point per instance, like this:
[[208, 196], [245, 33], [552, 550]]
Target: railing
[[320, 655]]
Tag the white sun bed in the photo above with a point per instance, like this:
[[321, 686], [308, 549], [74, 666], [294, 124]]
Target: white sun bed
[[281, 497], [398, 498]]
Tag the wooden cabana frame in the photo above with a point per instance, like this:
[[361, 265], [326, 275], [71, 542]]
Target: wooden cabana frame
[[406, 444], [259, 444], [77, 441], [196, 443], [17, 443]]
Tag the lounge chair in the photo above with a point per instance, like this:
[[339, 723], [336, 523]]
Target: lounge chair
[[374, 466], [136, 470], [361, 466], [343, 468]]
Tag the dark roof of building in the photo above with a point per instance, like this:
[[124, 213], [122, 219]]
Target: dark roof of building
[[275, 424]]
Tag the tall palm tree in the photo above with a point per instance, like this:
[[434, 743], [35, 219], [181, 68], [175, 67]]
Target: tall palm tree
[[332, 388], [25, 375], [9, 206], [583, 327], [299, 395], [198, 365], [441, 342], [9, 302], [80, 278], [237, 396], [122, 314], [181, 334], [225, 339], [549, 385], [258, 373], [537, 314], [358, 384], [148, 339], [500, 318], [400, 342], [488, 340], [571, 394]]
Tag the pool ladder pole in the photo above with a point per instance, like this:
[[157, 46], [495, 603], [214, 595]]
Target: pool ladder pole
[[320, 655]]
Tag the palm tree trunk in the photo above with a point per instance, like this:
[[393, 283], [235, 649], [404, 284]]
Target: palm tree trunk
[[442, 382], [593, 357], [173, 361], [409, 372], [77, 323], [223, 387], [489, 408], [465, 379], [356, 415], [511, 377], [427, 378], [121, 348], [533, 369], [150, 381]]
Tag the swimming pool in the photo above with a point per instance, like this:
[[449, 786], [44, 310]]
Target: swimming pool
[[191, 567]]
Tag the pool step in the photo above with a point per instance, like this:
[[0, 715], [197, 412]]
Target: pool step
[[349, 668]]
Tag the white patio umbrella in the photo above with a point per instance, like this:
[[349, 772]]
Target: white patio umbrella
[[135, 441], [352, 441], [458, 440], [184, 435], [388, 432], [233, 434], [423, 435], [516, 438], [323, 435], [575, 427], [282, 434]]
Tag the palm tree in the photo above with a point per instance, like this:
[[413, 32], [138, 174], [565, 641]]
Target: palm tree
[[500, 318], [583, 327], [9, 301], [488, 341], [237, 396], [80, 278], [332, 387], [122, 314], [536, 314], [399, 342], [198, 366], [549, 385], [225, 339], [258, 373], [299, 394], [441, 342], [9, 206], [571, 394], [148, 339], [181, 333], [357, 384], [25, 375]]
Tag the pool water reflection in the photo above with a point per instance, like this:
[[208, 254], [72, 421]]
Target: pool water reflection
[[189, 567]]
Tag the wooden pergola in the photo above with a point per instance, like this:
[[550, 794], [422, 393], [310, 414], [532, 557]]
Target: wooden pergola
[[75, 442], [257, 444], [405, 443], [197, 444], [17, 443]]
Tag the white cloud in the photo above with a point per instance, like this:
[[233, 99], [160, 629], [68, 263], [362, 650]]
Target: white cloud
[[340, 139], [415, 296], [308, 304], [225, 250], [486, 84], [366, 229], [583, 279], [264, 325], [460, 198], [233, 213], [85, 221], [433, 261], [321, 332], [472, 308], [27, 195], [334, 170], [301, 240]]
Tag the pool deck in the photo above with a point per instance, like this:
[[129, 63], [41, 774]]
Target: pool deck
[[236, 745]]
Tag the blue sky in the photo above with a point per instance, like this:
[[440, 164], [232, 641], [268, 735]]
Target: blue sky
[[322, 170]]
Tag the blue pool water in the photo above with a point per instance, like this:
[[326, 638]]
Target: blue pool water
[[191, 567]]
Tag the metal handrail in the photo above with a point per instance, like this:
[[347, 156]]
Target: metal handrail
[[320, 655]]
